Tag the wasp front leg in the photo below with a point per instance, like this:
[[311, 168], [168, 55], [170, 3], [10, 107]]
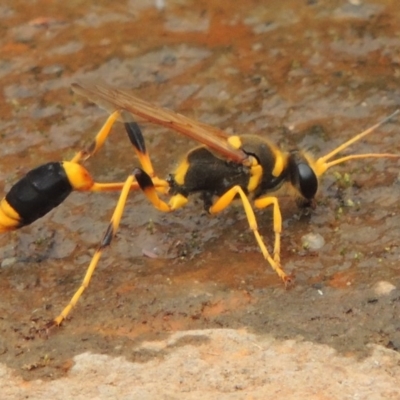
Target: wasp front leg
[[226, 199], [277, 217]]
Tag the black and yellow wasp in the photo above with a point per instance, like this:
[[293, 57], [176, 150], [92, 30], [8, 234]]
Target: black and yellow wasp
[[222, 169]]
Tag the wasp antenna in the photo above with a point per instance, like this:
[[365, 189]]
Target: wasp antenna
[[321, 165], [355, 156]]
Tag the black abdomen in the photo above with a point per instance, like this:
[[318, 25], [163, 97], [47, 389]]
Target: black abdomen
[[39, 191]]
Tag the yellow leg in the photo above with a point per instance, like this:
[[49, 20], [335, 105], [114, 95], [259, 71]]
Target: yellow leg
[[136, 137], [160, 184], [149, 189], [98, 140], [224, 202], [263, 203], [108, 236]]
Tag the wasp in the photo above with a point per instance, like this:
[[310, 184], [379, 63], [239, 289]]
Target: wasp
[[221, 169]]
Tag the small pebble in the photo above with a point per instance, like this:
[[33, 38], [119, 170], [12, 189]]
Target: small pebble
[[383, 288], [312, 241], [8, 262]]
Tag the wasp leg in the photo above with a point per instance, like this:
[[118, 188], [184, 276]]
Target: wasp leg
[[224, 201], [148, 187], [106, 241], [137, 140], [136, 137], [98, 140], [263, 203], [47, 186], [94, 147]]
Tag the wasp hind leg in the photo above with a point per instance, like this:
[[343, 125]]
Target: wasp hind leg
[[136, 137], [137, 140], [226, 199], [98, 141], [105, 242], [94, 147], [148, 187]]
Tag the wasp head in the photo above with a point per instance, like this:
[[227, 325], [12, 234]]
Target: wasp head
[[303, 178]]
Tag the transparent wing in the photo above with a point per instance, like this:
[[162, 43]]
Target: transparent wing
[[115, 99]]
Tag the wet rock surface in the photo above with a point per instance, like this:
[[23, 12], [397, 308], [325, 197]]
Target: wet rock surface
[[184, 305]]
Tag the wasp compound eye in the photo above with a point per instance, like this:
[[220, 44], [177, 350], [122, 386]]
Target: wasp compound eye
[[308, 181]]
